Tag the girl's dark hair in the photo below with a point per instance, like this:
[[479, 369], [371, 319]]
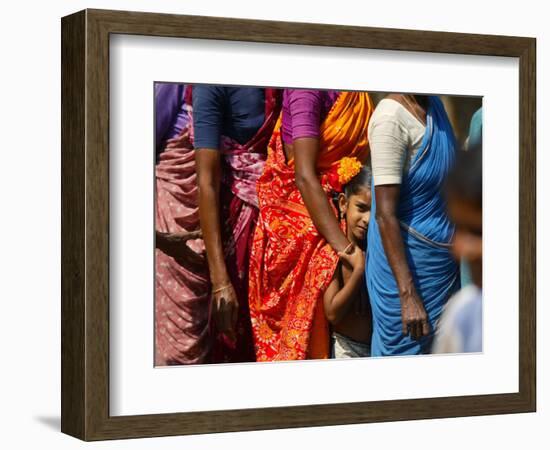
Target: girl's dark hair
[[360, 181], [465, 179]]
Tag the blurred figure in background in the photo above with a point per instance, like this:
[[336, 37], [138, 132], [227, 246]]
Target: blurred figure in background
[[460, 328], [476, 130], [472, 141]]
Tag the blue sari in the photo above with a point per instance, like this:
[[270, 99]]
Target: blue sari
[[427, 233]]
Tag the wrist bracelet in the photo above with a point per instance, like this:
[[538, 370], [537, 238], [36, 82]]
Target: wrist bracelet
[[215, 291]]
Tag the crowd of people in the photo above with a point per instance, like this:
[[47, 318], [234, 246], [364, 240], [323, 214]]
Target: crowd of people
[[307, 224]]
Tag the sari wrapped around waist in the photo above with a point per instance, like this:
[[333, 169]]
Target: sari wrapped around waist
[[242, 166], [427, 233], [184, 333], [291, 263], [181, 290]]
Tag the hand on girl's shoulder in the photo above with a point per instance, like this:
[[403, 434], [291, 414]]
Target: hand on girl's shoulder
[[356, 259]]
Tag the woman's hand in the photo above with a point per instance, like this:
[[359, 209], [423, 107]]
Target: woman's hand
[[225, 307], [183, 140], [355, 257], [413, 316], [414, 319], [175, 245], [224, 299]]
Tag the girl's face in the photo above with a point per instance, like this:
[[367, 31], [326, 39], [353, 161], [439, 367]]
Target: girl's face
[[356, 210]]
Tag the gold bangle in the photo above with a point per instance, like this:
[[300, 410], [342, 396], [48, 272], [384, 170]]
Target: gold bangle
[[221, 289]]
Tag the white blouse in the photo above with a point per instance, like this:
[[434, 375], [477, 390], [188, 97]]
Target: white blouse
[[395, 136]]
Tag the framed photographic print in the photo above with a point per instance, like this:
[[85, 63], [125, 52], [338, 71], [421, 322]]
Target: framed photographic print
[[271, 225]]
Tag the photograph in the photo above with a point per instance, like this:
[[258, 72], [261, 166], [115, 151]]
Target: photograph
[[296, 219], [300, 223]]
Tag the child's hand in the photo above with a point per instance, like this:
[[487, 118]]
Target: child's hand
[[356, 259]]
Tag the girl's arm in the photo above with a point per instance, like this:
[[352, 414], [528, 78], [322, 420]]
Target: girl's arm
[[337, 301]]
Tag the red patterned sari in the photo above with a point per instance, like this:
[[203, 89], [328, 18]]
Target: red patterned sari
[[291, 264]]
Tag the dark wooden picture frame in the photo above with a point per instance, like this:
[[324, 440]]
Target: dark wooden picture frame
[[85, 224]]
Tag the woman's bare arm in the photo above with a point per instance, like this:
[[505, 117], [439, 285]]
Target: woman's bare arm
[[413, 313], [225, 303], [306, 151]]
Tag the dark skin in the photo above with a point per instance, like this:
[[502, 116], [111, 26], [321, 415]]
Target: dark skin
[[344, 292], [413, 314], [305, 151], [175, 244], [225, 305], [467, 216]]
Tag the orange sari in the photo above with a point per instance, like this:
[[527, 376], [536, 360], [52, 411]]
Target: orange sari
[[291, 264]]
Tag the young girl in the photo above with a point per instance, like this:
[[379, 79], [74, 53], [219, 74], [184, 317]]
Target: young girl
[[346, 299]]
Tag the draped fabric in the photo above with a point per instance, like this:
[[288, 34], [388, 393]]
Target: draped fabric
[[181, 291], [291, 264], [427, 233], [184, 333], [171, 112], [242, 166]]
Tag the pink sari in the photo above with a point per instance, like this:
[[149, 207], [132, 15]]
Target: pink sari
[[182, 293], [184, 334]]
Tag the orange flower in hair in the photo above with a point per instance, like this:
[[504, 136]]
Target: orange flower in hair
[[347, 169]]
